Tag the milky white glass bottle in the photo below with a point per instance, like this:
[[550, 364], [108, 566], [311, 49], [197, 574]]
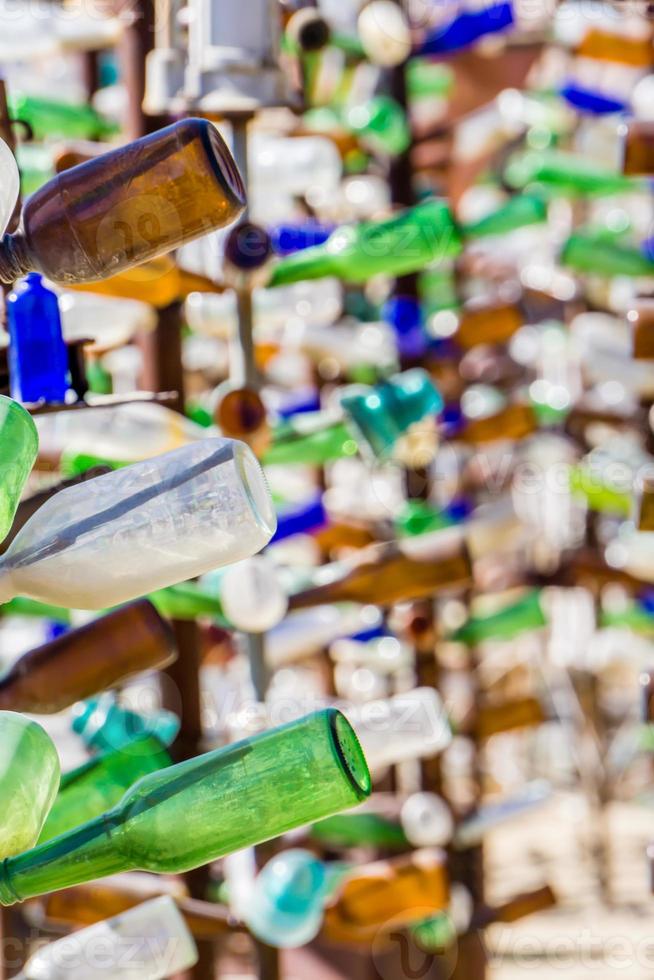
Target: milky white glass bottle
[[141, 528], [148, 942], [124, 433]]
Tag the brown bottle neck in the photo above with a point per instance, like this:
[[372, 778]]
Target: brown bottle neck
[[15, 260]]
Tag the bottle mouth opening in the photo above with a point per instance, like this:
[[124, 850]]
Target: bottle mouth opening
[[351, 754], [225, 164], [256, 489]]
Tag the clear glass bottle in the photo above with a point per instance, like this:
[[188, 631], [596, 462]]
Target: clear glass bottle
[[143, 527], [148, 942]]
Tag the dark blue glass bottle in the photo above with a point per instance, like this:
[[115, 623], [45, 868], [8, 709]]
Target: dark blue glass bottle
[[594, 103], [38, 358], [301, 519], [404, 314], [467, 27], [289, 238]]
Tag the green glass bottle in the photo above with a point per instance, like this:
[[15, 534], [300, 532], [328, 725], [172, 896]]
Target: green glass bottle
[[22, 606], [29, 779], [36, 166], [98, 785], [633, 617], [52, 118], [360, 830], [376, 417], [396, 246], [19, 444], [427, 79], [313, 445], [187, 601], [599, 495], [518, 212], [595, 255], [420, 517], [380, 124], [74, 464], [197, 811], [526, 614], [567, 174]]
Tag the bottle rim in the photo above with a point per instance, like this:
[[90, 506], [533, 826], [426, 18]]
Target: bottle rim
[[351, 755]]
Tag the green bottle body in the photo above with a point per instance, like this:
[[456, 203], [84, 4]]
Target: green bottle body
[[526, 614], [292, 445], [518, 212], [100, 784], [566, 174], [191, 814], [601, 257], [19, 444], [50, 117], [397, 246], [29, 779]]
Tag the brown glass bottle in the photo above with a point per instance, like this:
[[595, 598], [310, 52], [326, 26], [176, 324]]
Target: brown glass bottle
[[518, 907], [86, 904], [126, 206], [87, 660], [384, 575], [641, 319], [507, 716], [387, 894], [513, 422], [638, 148], [646, 681], [492, 323], [646, 504]]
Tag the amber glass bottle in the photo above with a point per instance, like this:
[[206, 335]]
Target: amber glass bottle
[[126, 206], [385, 575], [508, 716], [638, 147], [87, 660], [513, 422], [85, 905], [387, 894], [518, 907], [646, 505], [641, 319], [492, 323]]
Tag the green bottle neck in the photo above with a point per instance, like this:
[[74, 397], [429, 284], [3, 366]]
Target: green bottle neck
[[310, 263], [313, 448], [83, 854]]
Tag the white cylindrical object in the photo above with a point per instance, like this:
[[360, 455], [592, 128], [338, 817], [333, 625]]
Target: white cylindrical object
[[251, 595], [144, 527], [148, 942], [427, 820], [407, 726]]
